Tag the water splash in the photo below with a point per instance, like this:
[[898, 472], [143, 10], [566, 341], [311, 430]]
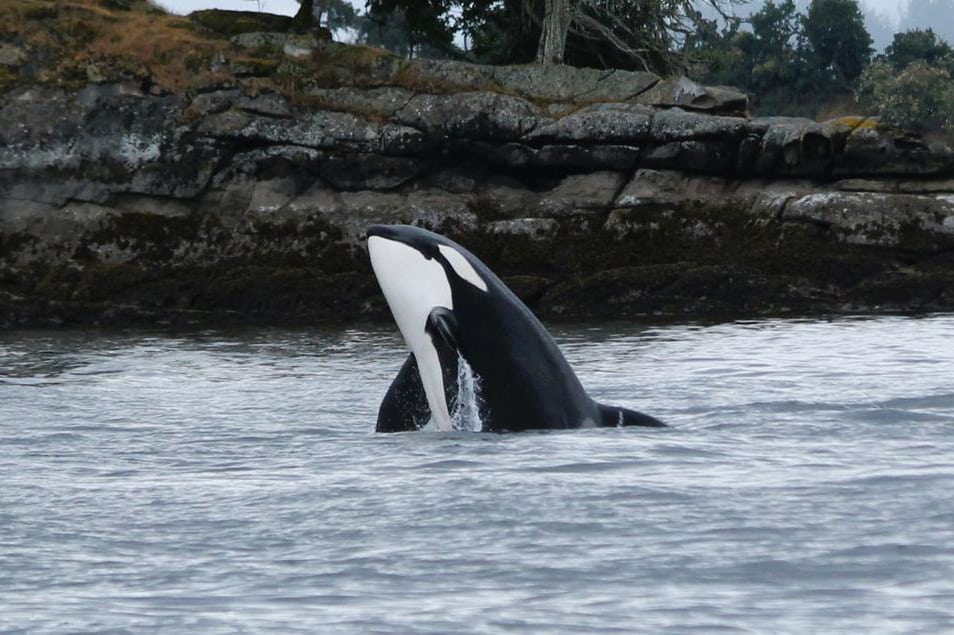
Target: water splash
[[465, 406], [465, 409]]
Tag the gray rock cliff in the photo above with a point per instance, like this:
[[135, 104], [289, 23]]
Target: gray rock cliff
[[592, 194]]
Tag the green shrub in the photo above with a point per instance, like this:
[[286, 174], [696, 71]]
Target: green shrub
[[920, 97]]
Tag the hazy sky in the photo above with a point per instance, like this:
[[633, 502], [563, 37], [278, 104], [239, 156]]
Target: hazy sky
[[287, 7]]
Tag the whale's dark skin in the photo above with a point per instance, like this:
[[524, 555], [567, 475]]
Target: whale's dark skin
[[525, 382]]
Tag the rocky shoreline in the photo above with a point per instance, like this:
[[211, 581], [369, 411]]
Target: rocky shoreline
[[592, 194]]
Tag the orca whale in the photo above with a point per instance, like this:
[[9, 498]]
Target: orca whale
[[451, 309]]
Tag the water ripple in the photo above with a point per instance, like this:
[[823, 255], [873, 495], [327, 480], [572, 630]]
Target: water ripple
[[230, 481]]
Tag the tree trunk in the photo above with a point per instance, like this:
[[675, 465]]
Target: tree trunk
[[304, 20], [318, 11], [556, 23]]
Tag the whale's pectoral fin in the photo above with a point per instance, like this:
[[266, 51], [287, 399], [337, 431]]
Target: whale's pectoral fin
[[442, 327], [614, 416], [404, 407]]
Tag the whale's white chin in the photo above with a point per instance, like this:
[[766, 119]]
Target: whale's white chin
[[413, 286]]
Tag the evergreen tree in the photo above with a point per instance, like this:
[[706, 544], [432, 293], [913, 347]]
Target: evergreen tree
[[774, 31], [836, 45], [391, 33], [425, 22]]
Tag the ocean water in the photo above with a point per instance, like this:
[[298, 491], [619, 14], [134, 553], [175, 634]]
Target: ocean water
[[230, 482]]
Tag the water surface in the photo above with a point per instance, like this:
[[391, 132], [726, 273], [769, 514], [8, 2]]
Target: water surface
[[230, 481]]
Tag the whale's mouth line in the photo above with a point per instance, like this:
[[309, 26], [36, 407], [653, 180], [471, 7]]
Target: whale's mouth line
[[382, 231]]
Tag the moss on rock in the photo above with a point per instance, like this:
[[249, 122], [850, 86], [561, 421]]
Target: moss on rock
[[230, 23]]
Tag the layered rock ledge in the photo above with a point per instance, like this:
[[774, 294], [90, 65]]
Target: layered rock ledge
[[593, 194]]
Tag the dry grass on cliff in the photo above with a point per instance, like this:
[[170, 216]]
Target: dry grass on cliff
[[71, 43]]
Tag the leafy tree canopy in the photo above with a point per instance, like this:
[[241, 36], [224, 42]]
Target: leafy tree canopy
[[916, 45]]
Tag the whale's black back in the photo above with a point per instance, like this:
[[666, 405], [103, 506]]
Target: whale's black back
[[404, 407]]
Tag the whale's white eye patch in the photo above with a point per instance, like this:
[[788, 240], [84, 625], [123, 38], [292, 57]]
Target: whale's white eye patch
[[463, 268]]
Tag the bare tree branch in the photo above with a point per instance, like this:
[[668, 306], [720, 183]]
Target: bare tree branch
[[639, 30]]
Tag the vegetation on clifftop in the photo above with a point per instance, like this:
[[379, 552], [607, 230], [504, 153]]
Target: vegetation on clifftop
[[817, 63], [72, 43]]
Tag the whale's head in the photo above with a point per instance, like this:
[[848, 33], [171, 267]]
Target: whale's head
[[417, 271]]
